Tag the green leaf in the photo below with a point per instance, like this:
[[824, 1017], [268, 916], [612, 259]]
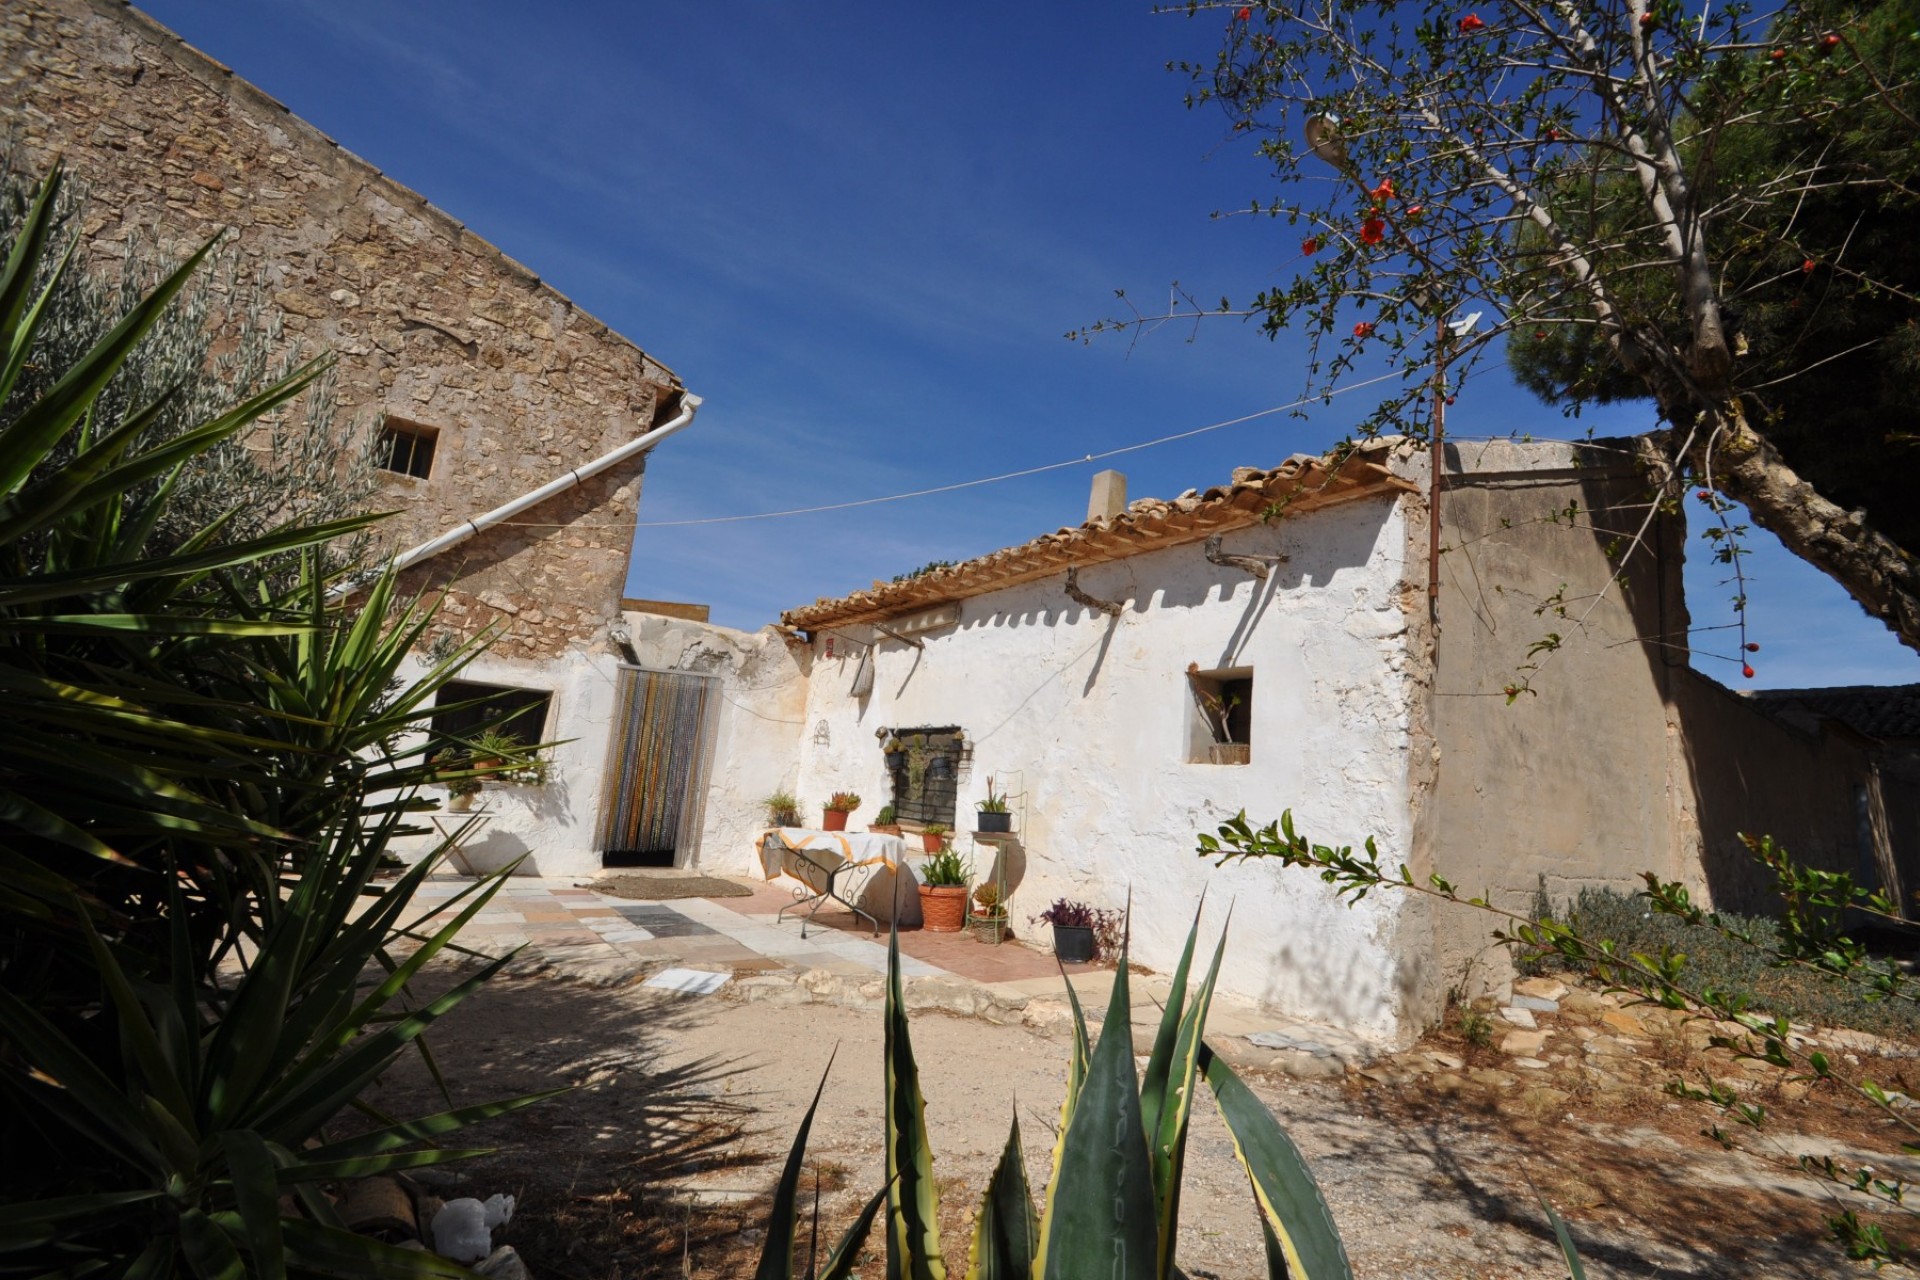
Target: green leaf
[[256, 1194], [1568, 1253], [840, 1264], [1283, 1185], [1167, 1132], [1100, 1219], [209, 1252], [1003, 1233], [913, 1200], [776, 1258]]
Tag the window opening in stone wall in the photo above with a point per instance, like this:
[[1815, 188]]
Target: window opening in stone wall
[[925, 765], [406, 448], [1220, 715], [519, 713]]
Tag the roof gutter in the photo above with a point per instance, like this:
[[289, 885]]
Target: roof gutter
[[690, 405]]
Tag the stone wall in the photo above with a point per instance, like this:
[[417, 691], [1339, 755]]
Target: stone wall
[[431, 324]]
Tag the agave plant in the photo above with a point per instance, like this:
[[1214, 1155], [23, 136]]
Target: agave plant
[[1113, 1203]]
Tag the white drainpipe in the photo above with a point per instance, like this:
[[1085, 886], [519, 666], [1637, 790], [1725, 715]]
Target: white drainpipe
[[690, 405]]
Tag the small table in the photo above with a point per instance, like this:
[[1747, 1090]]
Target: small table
[[831, 866], [456, 829]]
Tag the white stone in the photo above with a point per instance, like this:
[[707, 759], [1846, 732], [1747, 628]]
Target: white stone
[[1519, 1017], [688, 982]]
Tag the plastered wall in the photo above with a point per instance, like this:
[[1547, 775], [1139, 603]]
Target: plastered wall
[[1084, 717]]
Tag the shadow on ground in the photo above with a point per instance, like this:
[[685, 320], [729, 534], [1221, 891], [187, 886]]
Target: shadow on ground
[[598, 1170]]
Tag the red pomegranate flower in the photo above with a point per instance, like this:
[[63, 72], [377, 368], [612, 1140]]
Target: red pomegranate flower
[[1384, 191], [1807, 266], [1753, 646], [1246, 12], [1373, 231], [1470, 24], [1310, 246], [1746, 669], [1364, 329]]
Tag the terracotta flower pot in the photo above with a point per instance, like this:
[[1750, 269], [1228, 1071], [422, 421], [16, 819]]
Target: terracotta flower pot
[[943, 907], [932, 843], [833, 820]]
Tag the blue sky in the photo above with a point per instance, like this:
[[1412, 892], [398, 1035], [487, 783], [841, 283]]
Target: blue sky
[[861, 232]]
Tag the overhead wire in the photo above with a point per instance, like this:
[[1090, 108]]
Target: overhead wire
[[1027, 471]]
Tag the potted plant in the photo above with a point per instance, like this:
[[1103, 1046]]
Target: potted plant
[[1076, 927], [933, 836], [460, 790], [943, 892], [493, 749], [988, 920], [885, 823], [782, 810], [994, 815], [835, 811]]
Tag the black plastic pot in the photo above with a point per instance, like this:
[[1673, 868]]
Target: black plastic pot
[[1073, 943], [1000, 822]]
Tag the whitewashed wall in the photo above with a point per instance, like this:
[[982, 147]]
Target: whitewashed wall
[[552, 825], [1085, 716]]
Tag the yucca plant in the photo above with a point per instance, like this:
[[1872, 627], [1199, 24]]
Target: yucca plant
[[203, 772], [1113, 1204]]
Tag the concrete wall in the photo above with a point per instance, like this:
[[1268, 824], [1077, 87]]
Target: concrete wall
[[431, 323], [1834, 799], [1084, 718], [1576, 782]]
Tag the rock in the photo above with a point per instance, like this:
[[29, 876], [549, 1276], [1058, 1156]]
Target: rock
[[1523, 1044], [1542, 1098], [1583, 1004], [1306, 1066], [1608, 1046], [379, 1207], [1522, 1018], [1287, 1040], [1537, 1004], [503, 1264], [1445, 1061], [1446, 1085], [1489, 1077], [1540, 988], [1622, 1021], [1530, 1064]]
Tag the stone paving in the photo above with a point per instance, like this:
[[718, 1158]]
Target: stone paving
[[570, 931]]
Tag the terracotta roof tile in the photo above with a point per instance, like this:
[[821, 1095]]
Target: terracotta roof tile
[[1303, 483]]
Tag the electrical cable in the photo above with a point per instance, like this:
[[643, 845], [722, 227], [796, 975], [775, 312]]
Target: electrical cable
[[1029, 471]]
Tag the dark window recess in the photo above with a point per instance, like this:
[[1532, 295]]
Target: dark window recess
[[926, 775], [406, 449], [1220, 727], [520, 712]]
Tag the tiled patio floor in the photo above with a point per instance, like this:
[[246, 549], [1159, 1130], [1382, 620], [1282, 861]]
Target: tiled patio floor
[[741, 934]]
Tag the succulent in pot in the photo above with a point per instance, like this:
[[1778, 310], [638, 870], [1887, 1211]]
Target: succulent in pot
[[994, 814], [886, 822], [838, 806], [933, 836]]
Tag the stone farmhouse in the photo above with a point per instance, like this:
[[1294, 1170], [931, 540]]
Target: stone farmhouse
[[512, 426], [1271, 644], [1500, 711]]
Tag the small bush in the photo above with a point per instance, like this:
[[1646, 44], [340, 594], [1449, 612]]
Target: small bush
[[1715, 961]]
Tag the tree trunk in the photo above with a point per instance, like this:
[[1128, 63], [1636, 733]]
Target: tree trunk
[[1876, 572]]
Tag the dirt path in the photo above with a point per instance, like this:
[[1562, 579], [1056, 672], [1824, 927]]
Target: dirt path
[[684, 1107]]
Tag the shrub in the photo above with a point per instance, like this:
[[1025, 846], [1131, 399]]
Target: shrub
[[1712, 960]]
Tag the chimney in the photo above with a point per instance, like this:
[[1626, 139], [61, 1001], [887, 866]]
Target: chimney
[[1109, 496]]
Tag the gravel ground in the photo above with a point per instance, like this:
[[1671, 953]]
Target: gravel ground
[[658, 1162]]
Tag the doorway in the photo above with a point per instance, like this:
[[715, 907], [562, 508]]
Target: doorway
[[658, 758]]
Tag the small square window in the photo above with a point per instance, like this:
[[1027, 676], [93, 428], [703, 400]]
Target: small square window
[[1220, 716], [406, 448], [521, 713]]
